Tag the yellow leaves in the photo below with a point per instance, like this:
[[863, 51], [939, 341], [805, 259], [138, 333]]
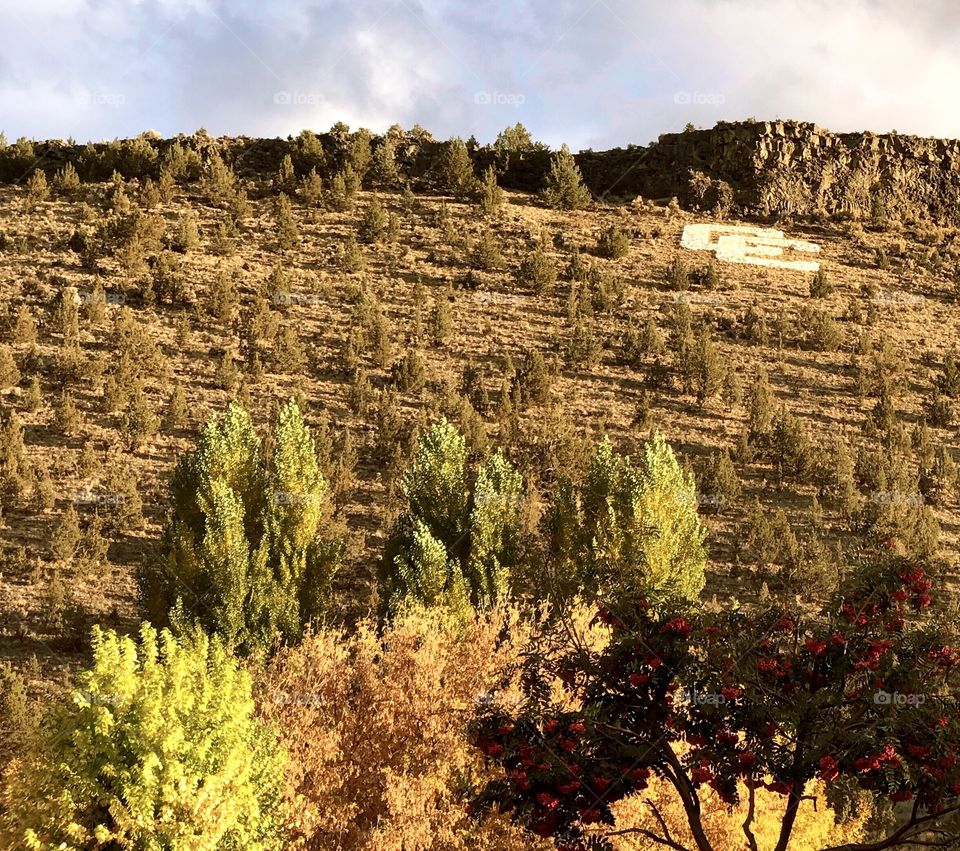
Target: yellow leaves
[[815, 826], [182, 764]]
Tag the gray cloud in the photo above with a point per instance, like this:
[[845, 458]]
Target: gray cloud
[[589, 72]]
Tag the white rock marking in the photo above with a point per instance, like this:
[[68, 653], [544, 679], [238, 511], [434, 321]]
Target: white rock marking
[[753, 246]]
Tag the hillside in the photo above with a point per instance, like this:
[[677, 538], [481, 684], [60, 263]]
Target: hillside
[[170, 276]]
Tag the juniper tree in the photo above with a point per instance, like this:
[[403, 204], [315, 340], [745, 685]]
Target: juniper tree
[[385, 170], [311, 188], [285, 180], [628, 529], [532, 381], [564, 184], [24, 330], [825, 334], [186, 237], [678, 275], [343, 191], [456, 170], [938, 409], [150, 196], [288, 235], [820, 285], [66, 535], [707, 367], [66, 417], [288, 351], [720, 483], [757, 539], [642, 343], [790, 446], [441, 322], [537, 272], [491, 196], [67, 317], [246, 555], [948, 382], [582, 348], [756, 330], [166, 186], [373, 225], [139, 421], [760, 422], [175, 413], [409, 373], [95, 304], [487, 255], [219, 183], [67, 180], [37, 188], [613, 243], [33, 398], [456, 544], [9, 373], [351, 256]]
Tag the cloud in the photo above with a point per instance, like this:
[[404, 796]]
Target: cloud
[[591, 73]]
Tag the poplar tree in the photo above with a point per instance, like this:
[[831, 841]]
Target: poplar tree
[[629, 528], [456, 543], [248, 552]]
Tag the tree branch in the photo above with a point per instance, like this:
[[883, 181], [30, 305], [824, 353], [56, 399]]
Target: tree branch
[[747, 830]]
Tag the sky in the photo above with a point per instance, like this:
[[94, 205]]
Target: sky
[[588, 73]]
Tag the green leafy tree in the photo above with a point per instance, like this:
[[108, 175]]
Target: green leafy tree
[[157, 748], [627, 528], [456, 543], [249, 554]]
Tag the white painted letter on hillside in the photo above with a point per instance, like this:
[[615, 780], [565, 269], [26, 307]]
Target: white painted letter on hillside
[[754, 246]]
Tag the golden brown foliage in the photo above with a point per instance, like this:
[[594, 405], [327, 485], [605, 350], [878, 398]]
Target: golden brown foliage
[[375, 725]]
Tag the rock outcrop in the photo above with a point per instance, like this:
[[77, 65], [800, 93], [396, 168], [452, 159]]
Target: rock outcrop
[[755, 168]]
